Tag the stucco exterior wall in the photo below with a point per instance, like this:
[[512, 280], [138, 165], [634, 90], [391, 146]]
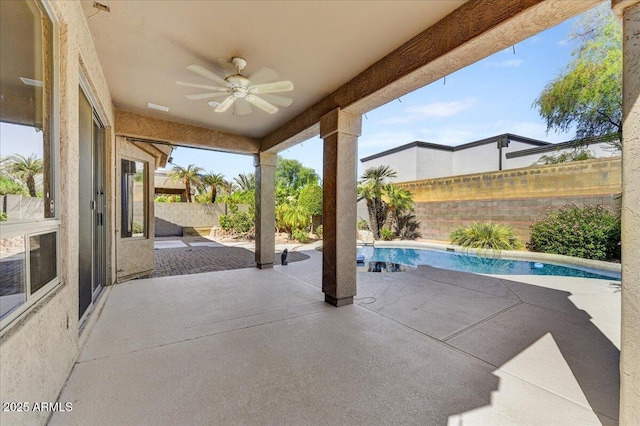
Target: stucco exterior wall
[[417, 163], [135, 255], [433, 163], [513, 147], [403, 162], [39, 348], [483, 158]]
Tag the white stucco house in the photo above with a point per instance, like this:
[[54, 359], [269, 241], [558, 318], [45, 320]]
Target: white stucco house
[[424, 160]]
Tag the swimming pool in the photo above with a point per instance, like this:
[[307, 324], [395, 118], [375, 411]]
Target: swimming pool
[[470, 262]]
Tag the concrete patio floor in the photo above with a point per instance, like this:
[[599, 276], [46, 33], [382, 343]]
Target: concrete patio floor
[[427, 347]]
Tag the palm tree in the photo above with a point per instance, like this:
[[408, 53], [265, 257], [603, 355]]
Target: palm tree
[[191, 176], [25, 169], [399, 200], [214, 181], [365, 192], [245, 182], [293, 216], [371, 186], [228, 187]]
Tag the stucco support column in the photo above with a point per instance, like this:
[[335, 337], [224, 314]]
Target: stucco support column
[[630, 342], [340, 131], [265, 164]]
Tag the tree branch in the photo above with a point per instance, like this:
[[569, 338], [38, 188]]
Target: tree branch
[[618, 126]]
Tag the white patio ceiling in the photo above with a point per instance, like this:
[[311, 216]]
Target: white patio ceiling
[[144, 47], [355, 55]]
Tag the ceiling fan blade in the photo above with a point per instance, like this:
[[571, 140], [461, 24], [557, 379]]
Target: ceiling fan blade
[[200, 96], [201, 86], [226, 104], [262, 104], [278, 100], [227, 67], [242, 108], [201, 71], [278, 86], [263, 75]]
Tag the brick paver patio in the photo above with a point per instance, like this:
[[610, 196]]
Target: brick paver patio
[[195, 260]]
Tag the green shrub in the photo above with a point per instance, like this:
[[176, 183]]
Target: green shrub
[[485, 236], [8, 186], [167, 199], [387, 234], [589, 232], [363, 225], [239, 222], [225, 222], [319, 231], [300, 235], [3, 217], [138, 228], [578, 154]]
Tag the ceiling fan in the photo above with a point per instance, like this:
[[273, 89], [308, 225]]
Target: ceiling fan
[[239, 90]]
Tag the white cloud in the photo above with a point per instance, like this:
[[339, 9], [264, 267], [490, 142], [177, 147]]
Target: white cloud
[[431, 110], [563, 42], [509, 63]]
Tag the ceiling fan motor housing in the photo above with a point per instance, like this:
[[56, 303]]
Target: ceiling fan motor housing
[[239, 84]]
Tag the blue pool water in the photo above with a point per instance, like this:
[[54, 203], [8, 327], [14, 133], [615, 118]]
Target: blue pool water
[[470, 262]]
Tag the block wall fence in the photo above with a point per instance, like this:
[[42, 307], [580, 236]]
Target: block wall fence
[[514, 197], [170, 218]]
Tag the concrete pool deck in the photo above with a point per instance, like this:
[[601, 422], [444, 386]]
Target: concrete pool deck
[[424, 347]]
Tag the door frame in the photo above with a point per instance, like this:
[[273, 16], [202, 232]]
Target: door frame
[[98, 120]]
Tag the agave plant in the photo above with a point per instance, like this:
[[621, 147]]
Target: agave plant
[[485, 236]]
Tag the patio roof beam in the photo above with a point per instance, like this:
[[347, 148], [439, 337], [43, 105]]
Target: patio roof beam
[[472, 32], [151, 149], [138, 126]]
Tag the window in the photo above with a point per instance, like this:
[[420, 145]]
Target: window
[[134, 198], [29, 264]]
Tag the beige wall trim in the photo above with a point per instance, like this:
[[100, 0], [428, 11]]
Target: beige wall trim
[[157, 153], [619, 6], [140, 126], [474, 31]]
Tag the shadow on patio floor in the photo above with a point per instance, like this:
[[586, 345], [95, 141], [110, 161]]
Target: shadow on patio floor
[[426, 347]]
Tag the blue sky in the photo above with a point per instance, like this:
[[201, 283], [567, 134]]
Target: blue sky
[[490, 97]]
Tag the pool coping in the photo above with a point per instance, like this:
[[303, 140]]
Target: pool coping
[[510, 254]]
